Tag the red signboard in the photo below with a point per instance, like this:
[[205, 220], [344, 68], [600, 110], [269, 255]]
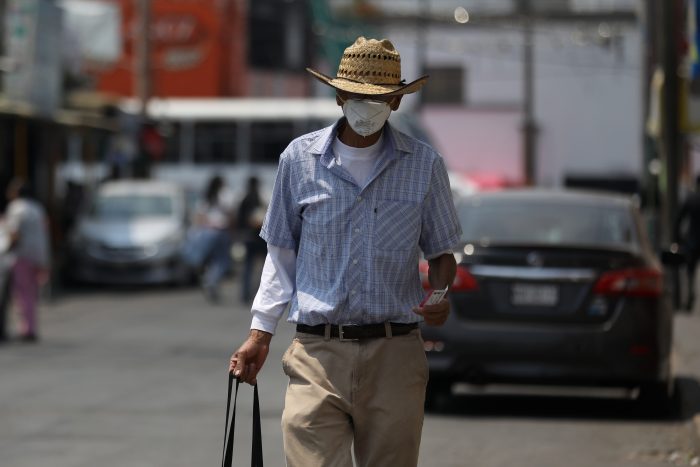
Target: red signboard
[[197, 49]]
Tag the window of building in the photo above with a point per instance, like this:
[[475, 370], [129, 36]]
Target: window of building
[[446, 86], [215, 142], [279, 34], [171, 134], [269, 139]]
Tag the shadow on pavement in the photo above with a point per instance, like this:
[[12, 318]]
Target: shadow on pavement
[[689, 391], [684, 406]]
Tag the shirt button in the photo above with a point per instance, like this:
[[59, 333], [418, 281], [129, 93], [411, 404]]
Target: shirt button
[[359, 198], [352, 292], [354, 261], [357, 230]]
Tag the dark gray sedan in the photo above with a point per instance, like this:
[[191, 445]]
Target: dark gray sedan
[[554, 288]]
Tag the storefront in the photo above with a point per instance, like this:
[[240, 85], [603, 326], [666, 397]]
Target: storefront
[[33, 147], [198, 49]]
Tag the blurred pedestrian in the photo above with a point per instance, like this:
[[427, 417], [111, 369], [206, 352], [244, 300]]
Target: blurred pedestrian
[[687, 235], [209, 240], [72, 205], [352, 206], [28, 229], [251, 213], [5, 278]]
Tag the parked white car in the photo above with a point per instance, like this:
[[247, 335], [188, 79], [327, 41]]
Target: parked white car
[[132, 232]]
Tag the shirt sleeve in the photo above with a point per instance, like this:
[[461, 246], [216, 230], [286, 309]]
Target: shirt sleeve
[[13, 218], [440, 229], [282, 225], [277, 286], [440, 253]]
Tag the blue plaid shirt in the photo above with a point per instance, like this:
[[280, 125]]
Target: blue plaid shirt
[[358, 246]]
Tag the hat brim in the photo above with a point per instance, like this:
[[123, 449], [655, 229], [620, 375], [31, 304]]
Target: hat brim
[[367, 88]]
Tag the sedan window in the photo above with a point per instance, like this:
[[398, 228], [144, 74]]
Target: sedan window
[[548, 223]]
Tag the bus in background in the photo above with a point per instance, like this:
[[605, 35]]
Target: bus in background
[[236, 138], [233, 137]]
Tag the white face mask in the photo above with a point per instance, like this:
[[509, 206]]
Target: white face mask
[[366, 117]]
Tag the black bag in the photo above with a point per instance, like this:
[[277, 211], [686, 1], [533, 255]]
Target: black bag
[[256, 458]]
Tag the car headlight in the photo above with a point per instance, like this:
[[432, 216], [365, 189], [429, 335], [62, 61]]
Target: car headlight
[[169, 245], [81, 243]]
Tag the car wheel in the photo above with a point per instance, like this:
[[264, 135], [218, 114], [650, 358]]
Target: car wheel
[[659, 398], [438, 395], [185, 277]]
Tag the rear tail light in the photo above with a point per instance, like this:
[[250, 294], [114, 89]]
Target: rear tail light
[[640, 350], [423, 271], [433, 346], [643, 282], [463, 279]]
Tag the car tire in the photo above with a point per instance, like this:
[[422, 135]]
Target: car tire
[[659, 399], [185, 277], [438, 395]]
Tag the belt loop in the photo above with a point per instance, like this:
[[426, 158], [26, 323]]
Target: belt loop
[[327, 333], [387, 329]]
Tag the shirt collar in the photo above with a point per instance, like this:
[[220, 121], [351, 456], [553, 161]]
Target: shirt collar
[[395, 143]]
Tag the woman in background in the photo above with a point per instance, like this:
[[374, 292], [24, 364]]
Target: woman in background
[[210, 240], [27, 224]]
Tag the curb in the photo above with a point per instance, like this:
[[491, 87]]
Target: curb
[[694, 427]]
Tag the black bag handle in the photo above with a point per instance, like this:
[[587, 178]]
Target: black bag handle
[[256, 456]]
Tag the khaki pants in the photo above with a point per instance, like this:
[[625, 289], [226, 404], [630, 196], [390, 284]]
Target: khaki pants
[[366, 394]]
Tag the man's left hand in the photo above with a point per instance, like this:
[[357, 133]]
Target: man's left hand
[[434, 315]]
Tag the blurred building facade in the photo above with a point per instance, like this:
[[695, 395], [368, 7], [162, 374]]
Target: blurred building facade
[[213, 48], [68, 62], [197, 49], [573, 70], [40, 125]]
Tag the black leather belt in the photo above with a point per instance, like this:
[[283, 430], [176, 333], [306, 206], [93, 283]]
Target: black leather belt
[[353, 332]]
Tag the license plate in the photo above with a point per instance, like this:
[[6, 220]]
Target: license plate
[[534, 295]]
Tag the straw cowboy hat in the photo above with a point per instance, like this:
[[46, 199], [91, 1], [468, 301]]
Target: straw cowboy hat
[[372, 67]]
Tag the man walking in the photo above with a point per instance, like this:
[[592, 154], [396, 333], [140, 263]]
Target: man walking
[[689, 238], [352, 207]]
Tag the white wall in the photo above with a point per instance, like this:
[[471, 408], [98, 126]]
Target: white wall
[[588, 95], [589, 108], [479, 143]]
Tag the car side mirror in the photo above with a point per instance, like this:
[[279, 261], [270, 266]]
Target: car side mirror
[[672, 256]]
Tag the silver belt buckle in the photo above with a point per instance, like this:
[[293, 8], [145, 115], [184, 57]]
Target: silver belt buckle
[[341, 334]]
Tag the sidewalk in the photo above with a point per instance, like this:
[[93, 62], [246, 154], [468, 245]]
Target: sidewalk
[[686, 361]]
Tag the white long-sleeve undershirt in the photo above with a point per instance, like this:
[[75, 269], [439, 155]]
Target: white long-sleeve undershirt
[[277, 286]]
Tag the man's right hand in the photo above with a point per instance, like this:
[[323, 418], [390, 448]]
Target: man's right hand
[[248, 360]]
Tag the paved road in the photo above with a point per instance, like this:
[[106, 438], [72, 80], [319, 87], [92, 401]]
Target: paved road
[[129, 378]]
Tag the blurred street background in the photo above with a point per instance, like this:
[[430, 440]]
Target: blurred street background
[[125, 116]]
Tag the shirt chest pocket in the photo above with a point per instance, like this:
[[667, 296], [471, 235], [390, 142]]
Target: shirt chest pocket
[[323, 226], [397, 225]]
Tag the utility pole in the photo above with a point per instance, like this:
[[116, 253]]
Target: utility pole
[[529, 125], [142, 43], [142, 79], [670, 126]]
